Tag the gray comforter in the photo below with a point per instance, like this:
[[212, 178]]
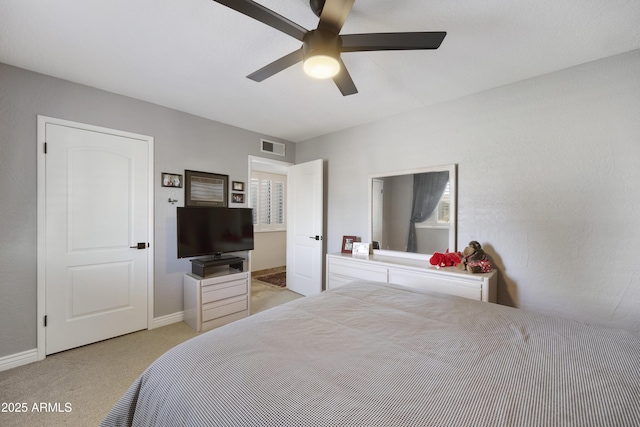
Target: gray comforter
[[370, 354]]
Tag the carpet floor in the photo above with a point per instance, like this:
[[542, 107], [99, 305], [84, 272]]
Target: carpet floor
[[78, 387]]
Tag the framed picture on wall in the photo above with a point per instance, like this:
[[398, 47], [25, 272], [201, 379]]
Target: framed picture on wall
[[347, 244], [237, 186], [205, 189], [237, 197], [171, 180]]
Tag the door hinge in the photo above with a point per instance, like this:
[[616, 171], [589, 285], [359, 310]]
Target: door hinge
[[45, 148], [45, 321]]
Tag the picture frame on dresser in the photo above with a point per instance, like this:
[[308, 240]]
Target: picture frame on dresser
[[361, 249], [347, 244]]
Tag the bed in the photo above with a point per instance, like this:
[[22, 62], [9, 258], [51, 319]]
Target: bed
[[371, 354]]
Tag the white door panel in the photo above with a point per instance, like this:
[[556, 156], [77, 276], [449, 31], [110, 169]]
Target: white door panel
[[377, 196], [305, 215], [97, 208]]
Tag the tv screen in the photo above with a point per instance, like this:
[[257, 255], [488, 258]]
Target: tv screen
[[204, 231]]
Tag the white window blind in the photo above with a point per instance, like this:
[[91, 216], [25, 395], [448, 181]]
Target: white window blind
[[443, 207], [268, 194], [440, 217]]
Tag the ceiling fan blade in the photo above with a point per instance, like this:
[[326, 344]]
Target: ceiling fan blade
[[276, 66], [392, 41], [333, 15], [344, 82], [266, 16]]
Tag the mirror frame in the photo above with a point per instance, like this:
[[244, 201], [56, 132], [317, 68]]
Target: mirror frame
[[453, 194]]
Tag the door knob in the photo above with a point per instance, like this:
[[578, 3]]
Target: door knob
[[140, 245]]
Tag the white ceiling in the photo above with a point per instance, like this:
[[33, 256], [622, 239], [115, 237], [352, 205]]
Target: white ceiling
[[193, 55]]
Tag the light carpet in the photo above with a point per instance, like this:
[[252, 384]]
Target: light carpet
[[78, 387]]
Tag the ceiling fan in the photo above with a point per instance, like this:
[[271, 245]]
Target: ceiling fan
[[321, 48]]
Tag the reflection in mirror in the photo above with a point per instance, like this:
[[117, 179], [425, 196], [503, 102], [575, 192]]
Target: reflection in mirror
[[414, 211]]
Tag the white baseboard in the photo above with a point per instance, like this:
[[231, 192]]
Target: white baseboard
[[169, 319], [30, 356], [18, 359]]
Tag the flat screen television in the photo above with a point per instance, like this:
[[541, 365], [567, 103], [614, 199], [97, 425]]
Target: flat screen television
[[213, 231]]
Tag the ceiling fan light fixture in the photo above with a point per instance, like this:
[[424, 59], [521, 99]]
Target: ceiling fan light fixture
[[321, 54], [321, 66]]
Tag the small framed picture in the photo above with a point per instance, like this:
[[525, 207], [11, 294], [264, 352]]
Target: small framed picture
[[361, 249], [237, 197], [347, 244], [171, 180], [237, 186]]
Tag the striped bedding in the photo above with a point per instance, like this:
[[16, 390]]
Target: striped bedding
[[369, 354]]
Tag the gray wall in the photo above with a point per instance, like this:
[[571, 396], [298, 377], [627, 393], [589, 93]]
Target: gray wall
[[548, 183], [182, 141]]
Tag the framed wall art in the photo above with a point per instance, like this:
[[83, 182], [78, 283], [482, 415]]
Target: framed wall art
[[205, 189], [237, 197], [237, 186], [171, 180]]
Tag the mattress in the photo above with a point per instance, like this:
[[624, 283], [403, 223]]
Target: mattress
[[372, 354]]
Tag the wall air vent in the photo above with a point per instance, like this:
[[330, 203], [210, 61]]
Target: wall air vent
[[276, 148]]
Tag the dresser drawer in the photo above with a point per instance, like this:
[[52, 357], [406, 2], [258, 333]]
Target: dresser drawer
[[218, 280], [223, 307], [443, 285], [223, 290], [357, 271]]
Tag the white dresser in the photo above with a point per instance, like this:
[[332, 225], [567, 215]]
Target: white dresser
[[215, 300], [419, 274]]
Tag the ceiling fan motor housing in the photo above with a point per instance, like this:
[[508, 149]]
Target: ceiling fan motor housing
[[321, 42], [316, 6]]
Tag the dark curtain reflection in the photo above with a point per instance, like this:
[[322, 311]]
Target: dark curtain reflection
[[427, 191]]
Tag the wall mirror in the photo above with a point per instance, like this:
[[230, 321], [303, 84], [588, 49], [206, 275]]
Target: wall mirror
[[413, 212]]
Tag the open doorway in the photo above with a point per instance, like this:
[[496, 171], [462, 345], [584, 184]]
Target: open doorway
[[300, 241], [267, 197], [267, 188]]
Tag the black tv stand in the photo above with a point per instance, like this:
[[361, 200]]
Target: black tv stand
[[204, 267]]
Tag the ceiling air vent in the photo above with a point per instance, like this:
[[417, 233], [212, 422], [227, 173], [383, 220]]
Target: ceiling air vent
[[272, 147]]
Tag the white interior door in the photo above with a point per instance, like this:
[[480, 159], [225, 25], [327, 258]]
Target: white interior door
[[97, 208], [305, 218], [377, 197]]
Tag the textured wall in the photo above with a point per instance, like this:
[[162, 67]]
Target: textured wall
[[182, 141], [549, 183]]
